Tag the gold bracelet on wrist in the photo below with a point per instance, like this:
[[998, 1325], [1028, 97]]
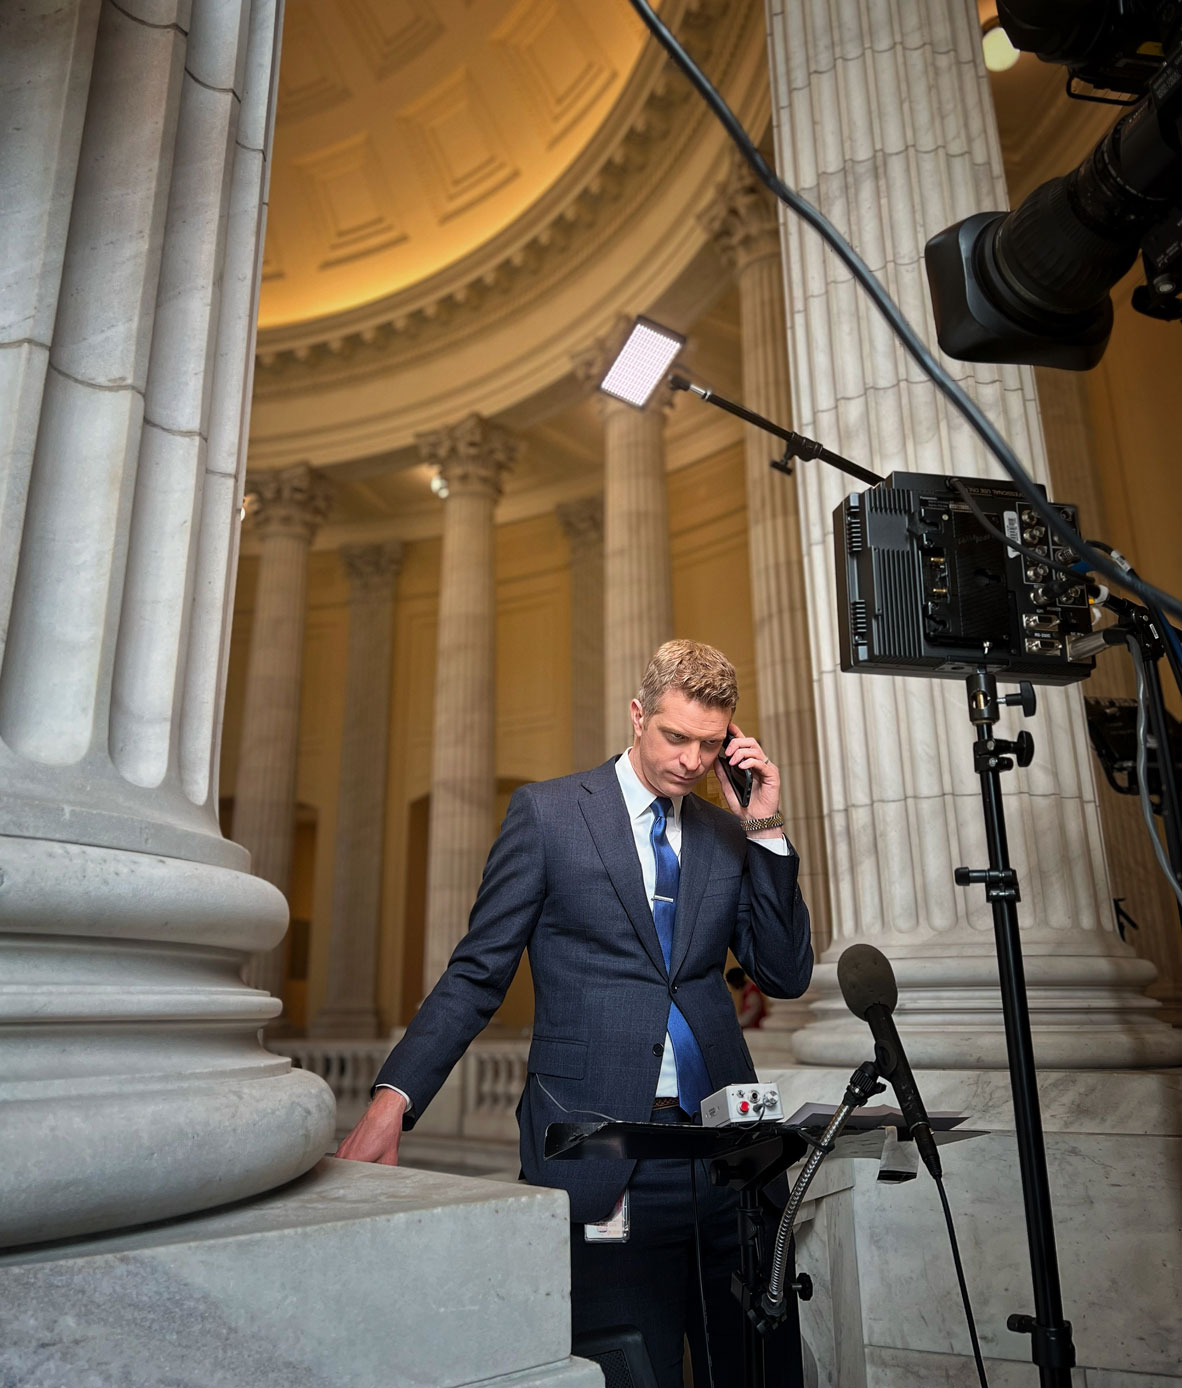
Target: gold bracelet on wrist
[[772, 821]]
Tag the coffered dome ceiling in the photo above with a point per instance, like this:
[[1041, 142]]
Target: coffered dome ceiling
[[410, 132]]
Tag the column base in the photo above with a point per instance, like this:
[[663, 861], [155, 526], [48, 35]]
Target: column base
[[78, 1164], [298, 1288], [1086, 1013], [134, 1086]]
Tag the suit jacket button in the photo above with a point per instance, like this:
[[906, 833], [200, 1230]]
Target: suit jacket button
[[672, 989], [658, 1049]]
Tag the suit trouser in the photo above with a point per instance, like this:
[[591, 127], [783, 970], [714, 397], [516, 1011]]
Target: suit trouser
[[651, 1281]]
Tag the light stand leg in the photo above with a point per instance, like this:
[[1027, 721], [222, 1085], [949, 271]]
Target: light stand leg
[[1052, 1348]]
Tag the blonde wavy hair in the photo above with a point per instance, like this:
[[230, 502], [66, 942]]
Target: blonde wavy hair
[[699, 671]]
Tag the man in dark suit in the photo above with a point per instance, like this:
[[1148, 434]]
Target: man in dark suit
[[627, 891]]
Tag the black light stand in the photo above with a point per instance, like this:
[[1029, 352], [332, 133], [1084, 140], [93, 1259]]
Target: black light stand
[[798, 445], [1052, 1348]]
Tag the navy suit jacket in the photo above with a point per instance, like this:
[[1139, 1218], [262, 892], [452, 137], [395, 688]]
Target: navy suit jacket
[[563, 881]]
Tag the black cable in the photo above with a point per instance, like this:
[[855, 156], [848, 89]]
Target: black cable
[[1169, 636], [1151, 715], [987, 525], [964, 1290], [693, 1166], [912, 343]]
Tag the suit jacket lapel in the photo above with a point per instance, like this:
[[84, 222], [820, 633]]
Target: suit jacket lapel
[[607, 819], [697, 849]]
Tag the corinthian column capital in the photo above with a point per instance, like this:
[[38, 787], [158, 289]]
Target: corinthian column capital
[[582, 521], [289, 501], [743, 223], [472, 455], [371, 569]]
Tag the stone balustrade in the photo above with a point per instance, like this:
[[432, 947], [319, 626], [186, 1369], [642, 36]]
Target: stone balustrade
[[471, 1124]]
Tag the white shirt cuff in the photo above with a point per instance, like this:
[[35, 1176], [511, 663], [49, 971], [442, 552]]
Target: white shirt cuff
[[396, 1090], [779, 846]]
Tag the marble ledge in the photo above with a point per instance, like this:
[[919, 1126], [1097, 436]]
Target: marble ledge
[[1114, 1102], [333, 1192], [297, 1286]]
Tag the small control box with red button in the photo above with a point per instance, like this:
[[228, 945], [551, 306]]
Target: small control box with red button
[[741, 1104]]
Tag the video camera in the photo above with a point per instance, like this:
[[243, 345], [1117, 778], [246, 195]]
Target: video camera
[[1031, 286]]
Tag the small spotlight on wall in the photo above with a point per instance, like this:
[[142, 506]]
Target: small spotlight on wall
[[641, 364], [439, 486]]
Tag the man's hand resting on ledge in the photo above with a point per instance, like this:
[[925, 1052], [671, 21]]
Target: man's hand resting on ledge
[[377, 1136]]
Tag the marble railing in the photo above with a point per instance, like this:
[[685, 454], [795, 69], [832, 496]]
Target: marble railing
[[476, 1105]]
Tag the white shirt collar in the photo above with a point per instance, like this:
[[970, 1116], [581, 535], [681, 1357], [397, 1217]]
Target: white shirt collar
[[637, 796]]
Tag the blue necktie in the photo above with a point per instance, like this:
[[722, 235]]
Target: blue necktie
[[693, 1081]]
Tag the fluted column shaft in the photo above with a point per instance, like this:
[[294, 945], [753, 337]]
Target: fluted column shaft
[[637, 575], [884, 119], [286, 507], [471, 457], [637, 572], [349, 1007], [582, 522], [135, 179], [746, 230]]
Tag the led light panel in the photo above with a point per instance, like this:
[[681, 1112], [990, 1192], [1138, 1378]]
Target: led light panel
[[642, 362]]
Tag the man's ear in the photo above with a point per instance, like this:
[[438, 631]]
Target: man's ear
[[636, 709]]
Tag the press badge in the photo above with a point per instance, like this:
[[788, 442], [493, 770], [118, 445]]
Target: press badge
[[614, 1228]]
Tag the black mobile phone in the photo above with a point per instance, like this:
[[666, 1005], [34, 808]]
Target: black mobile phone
[[740, 780]]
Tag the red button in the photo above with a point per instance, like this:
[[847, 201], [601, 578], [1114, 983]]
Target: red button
[[744, 1106]]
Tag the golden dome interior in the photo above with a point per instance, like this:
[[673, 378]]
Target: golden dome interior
[[410, 132]]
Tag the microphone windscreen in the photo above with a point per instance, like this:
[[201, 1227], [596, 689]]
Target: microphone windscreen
[[865, 976]]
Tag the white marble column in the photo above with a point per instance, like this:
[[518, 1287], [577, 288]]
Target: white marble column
[[471, 456], [285, 509], [582, 524], [637, 573], [134, 171], [883, 118], [746, 230], [349, 1007]]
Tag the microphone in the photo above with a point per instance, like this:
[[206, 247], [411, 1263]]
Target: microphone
[[867, 984]]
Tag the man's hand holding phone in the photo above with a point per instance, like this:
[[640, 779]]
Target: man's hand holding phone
[[742, 756]]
